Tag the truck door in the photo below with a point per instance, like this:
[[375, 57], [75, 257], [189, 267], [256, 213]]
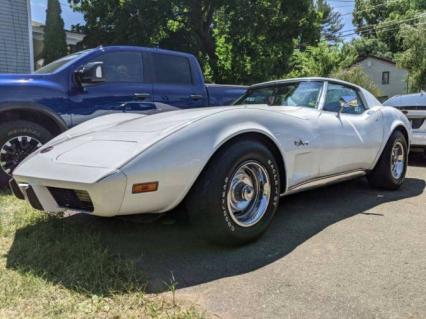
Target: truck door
[[125, 88], [175, 83]]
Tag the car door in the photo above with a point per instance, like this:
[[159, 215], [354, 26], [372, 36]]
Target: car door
[[124, 88], [351, 133], [174, 82], [296, 123], [300, 101]]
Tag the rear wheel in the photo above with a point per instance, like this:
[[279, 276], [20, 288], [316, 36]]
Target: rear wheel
[[391, 168], [236, 196], [18, 139]]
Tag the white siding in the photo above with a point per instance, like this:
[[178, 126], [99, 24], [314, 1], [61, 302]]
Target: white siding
[[397, 77], [15, 33]]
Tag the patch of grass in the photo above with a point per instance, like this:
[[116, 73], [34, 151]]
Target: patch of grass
[[59, 268]]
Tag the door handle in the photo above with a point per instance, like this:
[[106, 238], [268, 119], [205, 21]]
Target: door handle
[[196, 97], [142, 96]]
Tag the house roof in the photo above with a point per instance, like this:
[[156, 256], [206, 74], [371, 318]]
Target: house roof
[[362, 58]]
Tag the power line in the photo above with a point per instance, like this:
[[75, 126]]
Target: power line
[[376, 6], [383, 25], [383, 30]]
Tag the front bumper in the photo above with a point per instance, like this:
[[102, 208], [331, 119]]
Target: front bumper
[[103, 198], [14, 187]]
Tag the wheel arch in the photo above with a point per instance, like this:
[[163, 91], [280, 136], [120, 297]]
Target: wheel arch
[[260, 136], [31, 113], [397, 126], [403, 130]]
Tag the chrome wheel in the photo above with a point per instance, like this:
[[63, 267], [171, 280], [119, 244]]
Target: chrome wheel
[[249, 193], [16, 150], [397, 160]]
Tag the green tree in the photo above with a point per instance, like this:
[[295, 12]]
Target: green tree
[[383, 19], [371, 46], [132, 22], [241, 41], [55, 45], [321, 60], [331, 22], [414, 57], [255, 39]]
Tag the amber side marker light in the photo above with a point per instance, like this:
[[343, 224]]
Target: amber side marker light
[[145, 187]]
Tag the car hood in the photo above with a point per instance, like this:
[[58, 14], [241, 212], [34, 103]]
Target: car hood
[[97, 148], [20, 78]]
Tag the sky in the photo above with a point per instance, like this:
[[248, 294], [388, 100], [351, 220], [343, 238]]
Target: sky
[[345, 8], [38, 10]]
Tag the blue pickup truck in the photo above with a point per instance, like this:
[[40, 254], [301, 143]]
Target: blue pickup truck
[[36, 107]]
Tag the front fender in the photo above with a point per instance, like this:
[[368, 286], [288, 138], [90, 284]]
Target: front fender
[[177, 161]]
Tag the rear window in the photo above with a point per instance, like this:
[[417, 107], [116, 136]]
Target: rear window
[[413, 101], [171, 69]]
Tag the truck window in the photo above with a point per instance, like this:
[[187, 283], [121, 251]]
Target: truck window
[[170, 69], [122, 66]]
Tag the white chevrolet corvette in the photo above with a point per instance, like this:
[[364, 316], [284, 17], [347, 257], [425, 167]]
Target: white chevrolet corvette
[[228, 165]]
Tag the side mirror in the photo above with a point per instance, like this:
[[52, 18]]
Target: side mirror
[[92, 72], [345, 103], [343, 106]]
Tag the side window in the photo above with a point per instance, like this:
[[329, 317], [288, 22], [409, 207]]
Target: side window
[[303, 93], [171, 69], [339, 96], [257, 96], [122, 66]]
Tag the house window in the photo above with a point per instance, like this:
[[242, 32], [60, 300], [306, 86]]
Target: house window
[[385, 77]]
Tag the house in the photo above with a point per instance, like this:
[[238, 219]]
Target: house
[[389, 78], [22, 40], [16, 48]]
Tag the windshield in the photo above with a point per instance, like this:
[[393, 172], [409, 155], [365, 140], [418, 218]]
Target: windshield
[[55, 65], [289, 94]]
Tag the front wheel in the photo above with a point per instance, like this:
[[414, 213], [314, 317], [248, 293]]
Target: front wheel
[[18, 139], [237, 194], [391, 168]]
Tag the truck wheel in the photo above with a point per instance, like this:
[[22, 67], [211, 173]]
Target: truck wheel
[[390, 170], [237, 194], [18, 139]]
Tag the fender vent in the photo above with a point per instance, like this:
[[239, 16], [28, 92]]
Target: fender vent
[[72, 199]]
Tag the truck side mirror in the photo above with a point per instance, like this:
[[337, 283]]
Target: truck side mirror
[[92, 72]]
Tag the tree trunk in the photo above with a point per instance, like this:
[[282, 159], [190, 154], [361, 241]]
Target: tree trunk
[[201, 19]]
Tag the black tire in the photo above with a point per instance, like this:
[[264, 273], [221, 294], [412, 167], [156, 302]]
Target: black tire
[[14, 129], [207, 201], [381, 176]]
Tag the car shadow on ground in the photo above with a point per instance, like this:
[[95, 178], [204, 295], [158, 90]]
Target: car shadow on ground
[[168, 249], [417, 159]]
